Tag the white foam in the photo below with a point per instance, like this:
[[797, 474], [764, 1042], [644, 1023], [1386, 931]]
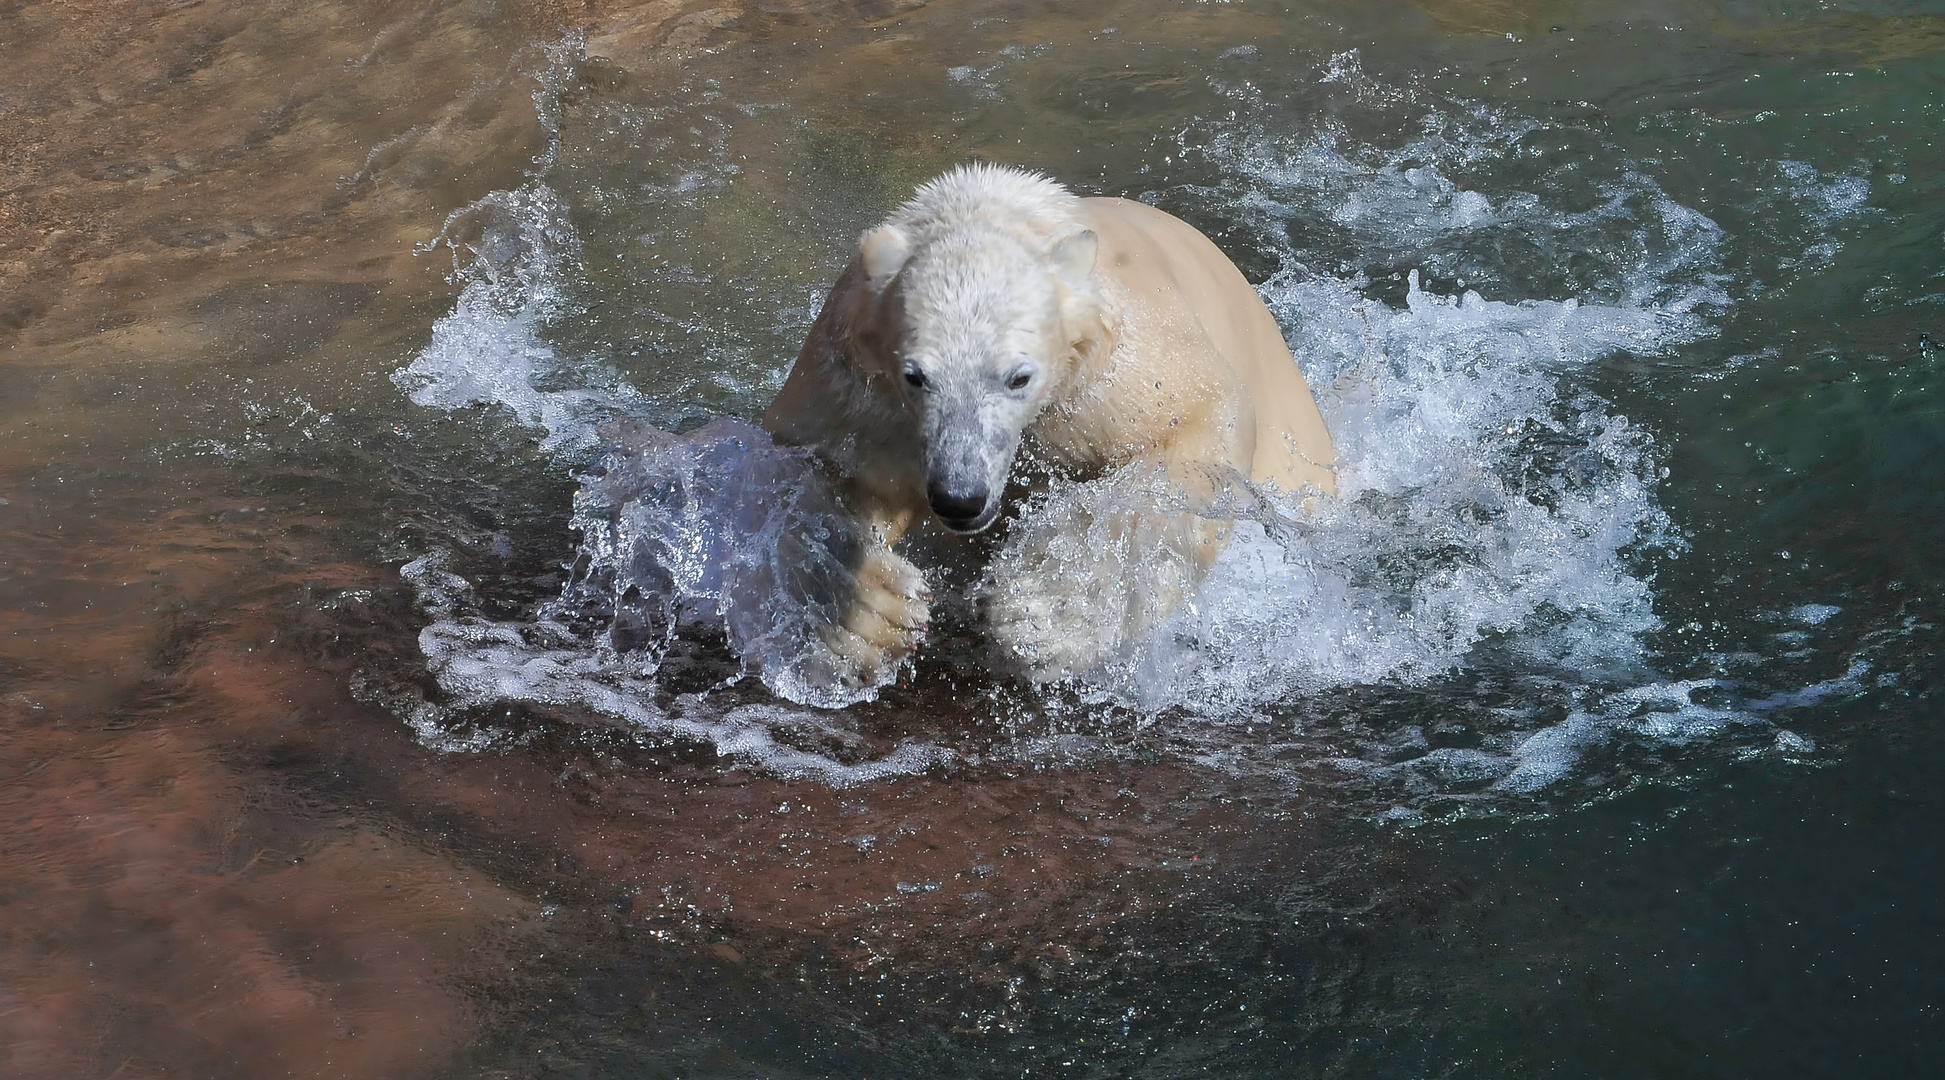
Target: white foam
[[1826, 200], [1814, 614], [1851, 682], [1444, 531], [489, 350], [1660, 712], [481, 663]]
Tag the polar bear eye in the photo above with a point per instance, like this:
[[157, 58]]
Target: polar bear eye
[[1020, 378]]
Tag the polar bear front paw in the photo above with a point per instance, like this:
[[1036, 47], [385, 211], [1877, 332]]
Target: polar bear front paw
[[884, 622], [1078, 589], [1052, 625]]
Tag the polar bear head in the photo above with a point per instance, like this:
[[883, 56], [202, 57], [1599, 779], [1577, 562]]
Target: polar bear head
[[983, 301]]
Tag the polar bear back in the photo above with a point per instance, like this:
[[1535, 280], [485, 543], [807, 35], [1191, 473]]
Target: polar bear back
[[1172, 274]]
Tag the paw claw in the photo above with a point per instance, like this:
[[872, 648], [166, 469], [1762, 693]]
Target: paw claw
[[883, 624]]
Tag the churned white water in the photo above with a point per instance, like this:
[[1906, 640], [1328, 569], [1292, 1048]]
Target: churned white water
[[489, 351], [1488, 498]]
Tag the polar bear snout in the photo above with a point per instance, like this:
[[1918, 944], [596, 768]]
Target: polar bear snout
[[969, 438], [963, 508]]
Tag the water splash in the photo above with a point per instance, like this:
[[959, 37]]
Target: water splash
[[722, 529], [489, 351], [1494, 512], [1477, 497], [482, 663]]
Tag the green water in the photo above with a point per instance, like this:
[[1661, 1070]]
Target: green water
[[1665, 805]]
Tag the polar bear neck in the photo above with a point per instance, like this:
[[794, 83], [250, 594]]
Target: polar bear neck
[[992, 196]]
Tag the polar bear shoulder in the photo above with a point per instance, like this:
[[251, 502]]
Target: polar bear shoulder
[[1182, 302]]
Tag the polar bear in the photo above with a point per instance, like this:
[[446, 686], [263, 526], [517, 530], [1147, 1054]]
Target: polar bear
[[996, 306]]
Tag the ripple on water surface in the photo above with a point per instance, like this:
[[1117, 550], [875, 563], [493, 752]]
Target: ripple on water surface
[[1590, 725]]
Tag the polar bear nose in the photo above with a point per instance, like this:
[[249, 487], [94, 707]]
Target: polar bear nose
[[958, 509]]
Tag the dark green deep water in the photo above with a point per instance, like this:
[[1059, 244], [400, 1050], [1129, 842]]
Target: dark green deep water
[[1739, 876]]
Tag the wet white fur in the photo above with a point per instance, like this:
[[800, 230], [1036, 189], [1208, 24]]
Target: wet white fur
[[976, 313]]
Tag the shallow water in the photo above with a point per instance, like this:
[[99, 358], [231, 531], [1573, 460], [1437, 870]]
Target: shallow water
[[1591, 730]]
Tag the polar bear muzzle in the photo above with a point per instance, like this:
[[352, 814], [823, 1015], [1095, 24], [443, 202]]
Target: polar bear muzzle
[[963, 509], [959, 484], [969, 439]]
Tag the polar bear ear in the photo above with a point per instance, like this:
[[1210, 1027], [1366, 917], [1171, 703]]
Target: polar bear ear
[[1073, 256], [885, 250]]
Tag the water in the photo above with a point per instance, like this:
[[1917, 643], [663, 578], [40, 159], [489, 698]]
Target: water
[[1590, 729]]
